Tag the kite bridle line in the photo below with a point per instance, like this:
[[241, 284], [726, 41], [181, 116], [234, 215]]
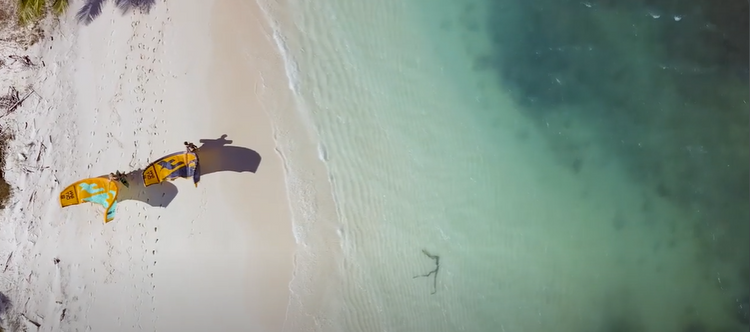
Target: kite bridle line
[[119, 177]]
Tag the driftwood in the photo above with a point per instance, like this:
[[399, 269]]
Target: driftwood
[[41, 149], [24, 59], [12, 100], [7, 262], [37, 324]]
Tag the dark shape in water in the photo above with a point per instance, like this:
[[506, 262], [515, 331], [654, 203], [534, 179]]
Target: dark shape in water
[[743, 309], [432, 273], [695, 327], [577, 165]]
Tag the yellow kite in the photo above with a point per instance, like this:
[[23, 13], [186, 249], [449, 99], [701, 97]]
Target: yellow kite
[[173, 166], [98, 190]]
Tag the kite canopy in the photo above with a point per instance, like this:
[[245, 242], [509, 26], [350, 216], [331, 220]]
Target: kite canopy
[[99, 190], [173, 166]]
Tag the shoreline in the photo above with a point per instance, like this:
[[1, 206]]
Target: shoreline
[[245, 76], [318, 230]]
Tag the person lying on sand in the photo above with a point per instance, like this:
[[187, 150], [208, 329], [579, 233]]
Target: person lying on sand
[[190, 147], [118, 176]]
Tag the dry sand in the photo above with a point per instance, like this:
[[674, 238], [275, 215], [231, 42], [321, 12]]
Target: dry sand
[[118, 94]]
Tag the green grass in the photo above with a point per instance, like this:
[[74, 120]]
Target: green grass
[[32, 11], [59, 7]]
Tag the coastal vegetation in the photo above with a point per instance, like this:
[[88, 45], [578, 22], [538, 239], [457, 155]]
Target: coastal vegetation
[[20, 19], [31, 11], [19, 28]]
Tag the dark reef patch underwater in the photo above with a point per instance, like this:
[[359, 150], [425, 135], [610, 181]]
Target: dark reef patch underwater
[[663, 85]]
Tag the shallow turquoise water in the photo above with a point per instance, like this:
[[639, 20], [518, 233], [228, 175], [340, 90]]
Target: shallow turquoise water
[[538, 224]]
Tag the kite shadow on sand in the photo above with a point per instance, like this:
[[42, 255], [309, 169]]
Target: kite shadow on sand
[[216, 155], [158, 196]]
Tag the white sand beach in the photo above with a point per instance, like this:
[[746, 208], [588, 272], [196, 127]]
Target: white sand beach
[[116, 95]]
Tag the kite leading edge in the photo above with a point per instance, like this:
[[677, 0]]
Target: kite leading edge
[[173, 166]]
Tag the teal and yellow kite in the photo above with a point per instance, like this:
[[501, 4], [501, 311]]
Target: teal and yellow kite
[[99, 190]]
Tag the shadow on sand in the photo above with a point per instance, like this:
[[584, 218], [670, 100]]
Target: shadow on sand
[[4, 307], [217, 156], [159, 195], [93, 8]]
